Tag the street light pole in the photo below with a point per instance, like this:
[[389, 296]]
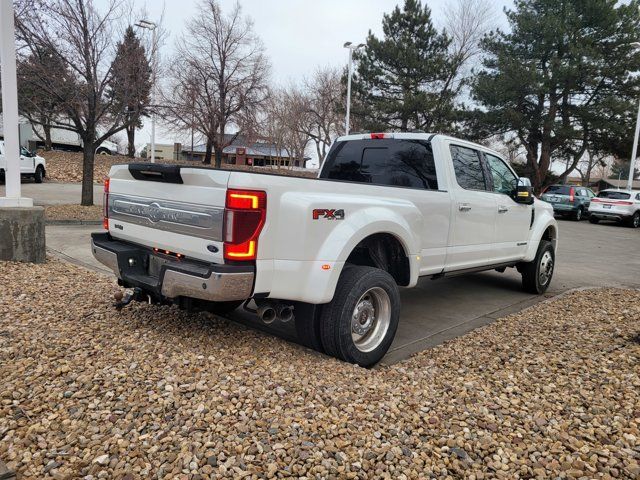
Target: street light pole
[[10, 119], [634, 151], [154, 66], [352, 48]]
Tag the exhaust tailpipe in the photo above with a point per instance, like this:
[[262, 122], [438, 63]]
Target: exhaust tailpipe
[[284, 312], [267, 314]]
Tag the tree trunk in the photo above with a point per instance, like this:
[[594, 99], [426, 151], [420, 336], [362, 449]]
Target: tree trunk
[[47, 137], [88, 155], [131, 139], [207, 153], [218, 152]]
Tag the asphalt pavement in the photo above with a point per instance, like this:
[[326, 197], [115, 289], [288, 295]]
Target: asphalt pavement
[[439, 310]]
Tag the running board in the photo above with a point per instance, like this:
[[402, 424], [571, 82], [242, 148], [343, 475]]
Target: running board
[[464, 271]]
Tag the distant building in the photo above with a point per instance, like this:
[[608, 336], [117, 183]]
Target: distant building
[[597, 183], [259, 154], [164, 151]]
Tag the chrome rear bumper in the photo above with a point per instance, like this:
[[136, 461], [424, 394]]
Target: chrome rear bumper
[[167, 277]]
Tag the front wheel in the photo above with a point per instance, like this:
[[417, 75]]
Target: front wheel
[[38, 177], [359, 324], [634, 221], [537, 275]]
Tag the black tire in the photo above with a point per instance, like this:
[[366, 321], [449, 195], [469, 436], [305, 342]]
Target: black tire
[[38, 177], [2, 176], [578, 215], [375, 293], [593, 219], [531, 271], [634, 220], [307, 323], [103, 151]]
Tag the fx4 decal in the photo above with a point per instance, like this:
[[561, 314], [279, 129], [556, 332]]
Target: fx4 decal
[[329, 214]]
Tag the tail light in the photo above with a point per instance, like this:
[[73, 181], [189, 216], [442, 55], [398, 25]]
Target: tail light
[[572, 192], [105, 205], [377, 136], [244, 217], [624, 203]]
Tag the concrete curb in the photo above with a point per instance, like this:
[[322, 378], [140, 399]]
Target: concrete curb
[[74, 222]]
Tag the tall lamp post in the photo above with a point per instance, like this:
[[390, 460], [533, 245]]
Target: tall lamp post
[[154, 66], [634, 150], [352, 48]]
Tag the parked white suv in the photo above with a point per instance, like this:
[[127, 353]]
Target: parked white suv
[[31, 164], [622, 206], [332, 252]]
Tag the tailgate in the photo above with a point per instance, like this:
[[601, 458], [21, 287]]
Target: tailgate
[[169, 207]]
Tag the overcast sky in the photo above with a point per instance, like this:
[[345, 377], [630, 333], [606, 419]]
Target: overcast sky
[[299, 35]]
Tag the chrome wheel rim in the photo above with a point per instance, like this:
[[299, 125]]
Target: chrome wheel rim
[[636, 221], [546, 268], [579, 215], [371, 319]]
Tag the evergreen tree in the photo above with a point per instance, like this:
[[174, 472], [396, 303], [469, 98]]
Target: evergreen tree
[[42, 71], [406, 79], [620, 169], [130, 85], [560, 81]]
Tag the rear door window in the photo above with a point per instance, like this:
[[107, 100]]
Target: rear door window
[[468, 168], [396, 163]]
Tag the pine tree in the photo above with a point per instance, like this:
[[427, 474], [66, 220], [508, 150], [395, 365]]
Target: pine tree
[[406, 79], [560, 81], [39, 73], [130, 85]]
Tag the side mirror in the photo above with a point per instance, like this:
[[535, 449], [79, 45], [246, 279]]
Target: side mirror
[[33, 153], [523, 192]]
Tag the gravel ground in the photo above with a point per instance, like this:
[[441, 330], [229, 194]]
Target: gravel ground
[[67, 166], [73, 212], [552, 392]]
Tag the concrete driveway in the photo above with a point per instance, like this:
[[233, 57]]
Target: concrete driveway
[[53, 193], [439, 310]]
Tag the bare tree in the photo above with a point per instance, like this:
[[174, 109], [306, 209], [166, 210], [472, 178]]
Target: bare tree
[[83, 38], [220, 58], [467, 22], [285, 115], [321, 100]]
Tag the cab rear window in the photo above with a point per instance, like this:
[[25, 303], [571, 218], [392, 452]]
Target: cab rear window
[[396, 163], [614, 195]]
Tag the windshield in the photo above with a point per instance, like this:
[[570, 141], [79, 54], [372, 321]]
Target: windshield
[[614, 195], [559, 189]]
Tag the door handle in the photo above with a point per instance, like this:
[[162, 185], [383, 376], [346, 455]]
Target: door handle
[[464, 207], [503, 209]]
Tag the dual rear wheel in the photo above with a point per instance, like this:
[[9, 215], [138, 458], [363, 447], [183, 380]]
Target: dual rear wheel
[[359, 324]]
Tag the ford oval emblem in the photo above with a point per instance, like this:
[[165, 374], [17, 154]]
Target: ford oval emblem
[[212, 248]]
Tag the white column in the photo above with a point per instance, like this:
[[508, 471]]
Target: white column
[[10, 109]]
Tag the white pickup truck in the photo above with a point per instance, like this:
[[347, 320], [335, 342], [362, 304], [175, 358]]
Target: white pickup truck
[[31, 165], [387, 209]]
